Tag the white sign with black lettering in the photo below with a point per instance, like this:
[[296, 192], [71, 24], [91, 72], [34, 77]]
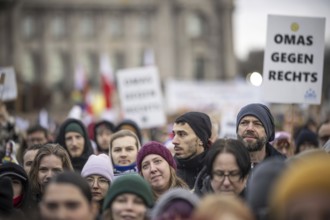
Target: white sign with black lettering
[[8, 87], [140, 96], [293, 60]]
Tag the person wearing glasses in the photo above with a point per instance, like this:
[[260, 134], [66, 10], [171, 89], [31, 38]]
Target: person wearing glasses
[[226, 170], [98, 173], [323, 133]]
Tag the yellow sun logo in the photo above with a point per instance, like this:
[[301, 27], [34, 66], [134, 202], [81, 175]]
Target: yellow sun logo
[[294, 27]]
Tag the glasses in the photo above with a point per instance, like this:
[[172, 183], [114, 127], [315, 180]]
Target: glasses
[[99, 181], [233, 176]]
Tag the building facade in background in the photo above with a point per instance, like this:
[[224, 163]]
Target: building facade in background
[[46, 41]]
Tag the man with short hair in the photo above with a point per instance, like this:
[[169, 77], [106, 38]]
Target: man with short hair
[[36, 135], [255, 127], [29, 155], [191, 140], [123, 150]]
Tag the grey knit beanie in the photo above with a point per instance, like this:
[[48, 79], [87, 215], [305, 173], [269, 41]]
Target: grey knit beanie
[[261, 112]]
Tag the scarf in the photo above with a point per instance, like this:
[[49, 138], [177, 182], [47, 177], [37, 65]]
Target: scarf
[[17, 200], [125, 169]]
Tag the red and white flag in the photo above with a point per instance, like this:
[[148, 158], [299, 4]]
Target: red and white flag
[[107, 80], [80, 80]]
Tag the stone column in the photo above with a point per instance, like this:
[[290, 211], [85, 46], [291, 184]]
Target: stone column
[[225, 10], [165, 39]]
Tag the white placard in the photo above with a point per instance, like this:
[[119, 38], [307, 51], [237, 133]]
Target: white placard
[[293, 60], [8, 87], [209, 95], [140, 96]]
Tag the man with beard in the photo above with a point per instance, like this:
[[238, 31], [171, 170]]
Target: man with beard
[[255, 127], [191, 140]]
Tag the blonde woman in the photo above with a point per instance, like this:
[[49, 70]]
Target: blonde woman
[[157, 166]]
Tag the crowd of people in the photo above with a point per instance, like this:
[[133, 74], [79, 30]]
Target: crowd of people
[[109, 171]]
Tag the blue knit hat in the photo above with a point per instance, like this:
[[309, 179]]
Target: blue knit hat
[[261, 112]]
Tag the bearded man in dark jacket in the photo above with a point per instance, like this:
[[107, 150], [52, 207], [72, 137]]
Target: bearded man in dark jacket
[[191, 140], [255, 127]]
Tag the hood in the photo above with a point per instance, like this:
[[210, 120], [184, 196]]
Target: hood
[[133, 124], [173, 194], [88, 150], [12, 169], [108, 124], [203, 183]]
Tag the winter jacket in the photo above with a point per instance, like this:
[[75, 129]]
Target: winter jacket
[[188, 169], [272, 152], [14, 170]]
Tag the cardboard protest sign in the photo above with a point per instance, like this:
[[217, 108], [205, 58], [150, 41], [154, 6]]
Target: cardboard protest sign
[[8, 87], [140, 96], [293, 60]]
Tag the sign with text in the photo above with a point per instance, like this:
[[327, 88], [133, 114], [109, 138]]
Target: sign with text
[[8, 87], [293, 60], [140, 96]]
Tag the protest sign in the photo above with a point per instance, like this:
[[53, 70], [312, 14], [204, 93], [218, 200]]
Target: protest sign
[[8, 87], [140, 96], [293, 60]]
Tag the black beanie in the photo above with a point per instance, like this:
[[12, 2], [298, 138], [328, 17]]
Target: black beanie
[[6, 195], [13, 169], [306, 135], [261, 112], [200, 123]]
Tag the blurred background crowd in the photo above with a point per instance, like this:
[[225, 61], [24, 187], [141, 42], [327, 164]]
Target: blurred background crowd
[[60, 51]]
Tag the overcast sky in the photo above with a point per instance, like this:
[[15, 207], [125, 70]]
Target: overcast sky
[[250, 19]]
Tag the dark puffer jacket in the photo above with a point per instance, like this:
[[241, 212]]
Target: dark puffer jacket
[[14, 170]]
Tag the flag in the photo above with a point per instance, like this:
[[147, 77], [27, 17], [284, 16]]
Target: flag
[[43, 118], [89, 102], [148, 57], [82, 93], [107, 80], [79, 78]]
